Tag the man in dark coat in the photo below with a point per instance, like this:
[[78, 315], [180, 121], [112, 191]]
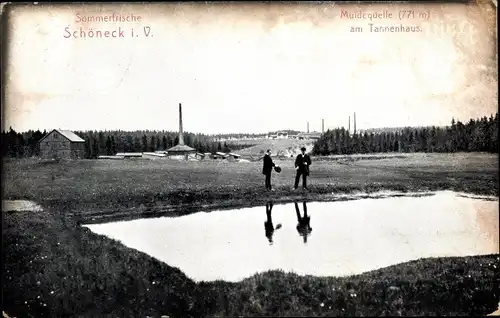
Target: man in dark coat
[[268, 168], [302, 163]]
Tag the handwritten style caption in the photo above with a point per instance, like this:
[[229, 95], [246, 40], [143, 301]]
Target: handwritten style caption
[[119, 30]]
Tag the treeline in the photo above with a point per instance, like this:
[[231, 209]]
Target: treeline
[[480, 135], [111, 142], [98, 143], [14, 144], [238, 136], [476, 135]]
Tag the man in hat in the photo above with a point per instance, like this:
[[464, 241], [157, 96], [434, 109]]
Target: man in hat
[[302, 163], [268, 168]]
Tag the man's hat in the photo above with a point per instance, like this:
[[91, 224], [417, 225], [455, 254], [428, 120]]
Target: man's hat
[[303, 148], [277, 169]]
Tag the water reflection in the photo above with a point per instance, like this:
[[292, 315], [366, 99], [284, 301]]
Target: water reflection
[[268, 225], [303, 226], [350, 237]]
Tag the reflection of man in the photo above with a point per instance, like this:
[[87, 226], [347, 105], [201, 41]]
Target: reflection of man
[[302, 163], [268, 168], [269, 223], [303, 226]]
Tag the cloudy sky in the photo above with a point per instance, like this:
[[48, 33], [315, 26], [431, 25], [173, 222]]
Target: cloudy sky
[[247, 68]]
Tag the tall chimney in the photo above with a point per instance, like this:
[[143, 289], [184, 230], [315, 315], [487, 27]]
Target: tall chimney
[[349, 125], [181, 134], [307, 127], [322, 126], [355, 123]]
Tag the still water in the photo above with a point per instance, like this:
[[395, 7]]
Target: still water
[[318, 238]]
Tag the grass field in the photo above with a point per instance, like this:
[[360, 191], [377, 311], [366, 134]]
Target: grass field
[[94, 187], [55, 268]]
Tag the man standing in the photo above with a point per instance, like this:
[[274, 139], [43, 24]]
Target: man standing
[[302, 163], [268, 168]]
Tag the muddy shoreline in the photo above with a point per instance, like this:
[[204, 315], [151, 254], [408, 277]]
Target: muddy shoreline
[[185, 202]]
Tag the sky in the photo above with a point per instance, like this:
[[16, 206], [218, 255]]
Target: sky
[[247, 68]]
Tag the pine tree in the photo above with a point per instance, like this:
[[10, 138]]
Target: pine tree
[[113, 146], [164, 142], [152, 146], [102, 142], [144, 143], [137, 147], [95, 148], [108, 146]]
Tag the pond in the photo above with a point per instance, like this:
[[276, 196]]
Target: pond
[[337, 238]]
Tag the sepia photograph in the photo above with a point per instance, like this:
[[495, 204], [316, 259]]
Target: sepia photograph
[[250, 159]]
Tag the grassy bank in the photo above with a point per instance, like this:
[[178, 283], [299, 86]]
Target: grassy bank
[[54, 269], [145, 187]]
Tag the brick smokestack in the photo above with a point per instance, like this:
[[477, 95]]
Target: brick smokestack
[[307, 127], [349, 125], [181, 133], [355, 123], [322, 126]]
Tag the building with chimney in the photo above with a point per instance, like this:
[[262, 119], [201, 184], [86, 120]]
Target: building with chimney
[[180, 151]]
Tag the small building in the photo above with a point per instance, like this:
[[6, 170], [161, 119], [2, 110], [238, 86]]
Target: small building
[[130, 154], [62, 144], [180, 151], [282, 135], [233, 155], [220, 155], [111, 157], [309, 136], [154, 155]]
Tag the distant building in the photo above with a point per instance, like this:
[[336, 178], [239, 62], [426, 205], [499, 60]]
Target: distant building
[[278, 135], [62, 144], [282, 135], [154, 155], [199, 156], [130, 154], [232, 156], [309, 136], [219, 155], [111, 157]]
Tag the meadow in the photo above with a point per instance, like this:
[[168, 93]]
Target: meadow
[[53, 267], [148, 186]]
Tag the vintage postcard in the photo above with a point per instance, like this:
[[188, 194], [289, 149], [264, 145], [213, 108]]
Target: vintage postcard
[[207, 159]]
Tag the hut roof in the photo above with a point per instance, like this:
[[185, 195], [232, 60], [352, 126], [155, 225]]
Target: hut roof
[[181, 148], [68, 134]]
